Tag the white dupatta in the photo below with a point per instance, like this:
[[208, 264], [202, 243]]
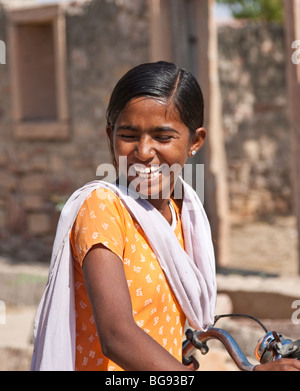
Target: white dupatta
[[191, 273]]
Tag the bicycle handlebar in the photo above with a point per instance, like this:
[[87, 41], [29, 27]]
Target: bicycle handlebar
[[197, 340], [269, 348]]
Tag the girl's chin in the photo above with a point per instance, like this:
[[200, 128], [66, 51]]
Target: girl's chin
[[150, 188]]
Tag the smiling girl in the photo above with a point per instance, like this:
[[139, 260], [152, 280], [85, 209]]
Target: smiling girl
[[128, 271], [137, 316]]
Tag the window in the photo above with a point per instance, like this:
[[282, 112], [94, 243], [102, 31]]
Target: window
[[37, 61]]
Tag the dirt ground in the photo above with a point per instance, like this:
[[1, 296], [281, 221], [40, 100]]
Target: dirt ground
[[264, 248]]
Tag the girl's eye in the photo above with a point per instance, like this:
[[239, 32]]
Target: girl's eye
[[127, 136], [133, 137], [163, 138]]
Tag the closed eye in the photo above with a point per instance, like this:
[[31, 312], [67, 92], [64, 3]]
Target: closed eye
[[129, 136], [162, 134], [163, 138]]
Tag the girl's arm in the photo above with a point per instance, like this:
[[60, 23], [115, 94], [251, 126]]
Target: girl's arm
[[121, 339]]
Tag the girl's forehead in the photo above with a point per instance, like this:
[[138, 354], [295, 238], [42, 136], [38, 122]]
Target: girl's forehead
[[151, 105]]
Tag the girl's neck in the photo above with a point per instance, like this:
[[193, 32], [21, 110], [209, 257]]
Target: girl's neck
[[162, 205]]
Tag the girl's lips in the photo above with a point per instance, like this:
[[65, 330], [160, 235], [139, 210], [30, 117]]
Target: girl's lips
[[151, 181], [149, 176], [144, 172]]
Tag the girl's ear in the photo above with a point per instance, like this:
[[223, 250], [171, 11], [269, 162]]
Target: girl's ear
[[198, 139]]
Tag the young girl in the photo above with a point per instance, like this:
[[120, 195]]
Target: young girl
[[131, 263]]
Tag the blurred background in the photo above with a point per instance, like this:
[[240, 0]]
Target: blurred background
[[62, 60]]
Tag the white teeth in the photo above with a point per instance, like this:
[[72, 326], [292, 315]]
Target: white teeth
[[147, 172], [151, 175]]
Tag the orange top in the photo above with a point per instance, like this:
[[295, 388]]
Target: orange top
[[104, 219]]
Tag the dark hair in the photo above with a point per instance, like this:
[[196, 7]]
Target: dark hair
[[160, 80]]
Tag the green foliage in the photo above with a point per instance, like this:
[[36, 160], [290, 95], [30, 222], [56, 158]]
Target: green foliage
[[259, 10]]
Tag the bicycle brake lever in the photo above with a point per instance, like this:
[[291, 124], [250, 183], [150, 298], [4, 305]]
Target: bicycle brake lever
[[289, 350], [273, 346]]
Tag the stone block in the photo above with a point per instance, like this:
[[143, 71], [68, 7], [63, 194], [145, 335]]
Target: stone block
[[38, 224], [57, 164], [224, 304], [264, 298], [39, 163], [7, 181], [33, 183], [33, 202]]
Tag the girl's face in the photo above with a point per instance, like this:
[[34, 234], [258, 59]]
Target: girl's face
[[150, 134]]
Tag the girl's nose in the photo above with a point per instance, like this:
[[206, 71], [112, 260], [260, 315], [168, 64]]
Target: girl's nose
[[144, 149]]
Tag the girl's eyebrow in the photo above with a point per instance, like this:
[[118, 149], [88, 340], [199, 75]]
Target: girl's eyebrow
[[127, 127], [166, 129], [156, 129]]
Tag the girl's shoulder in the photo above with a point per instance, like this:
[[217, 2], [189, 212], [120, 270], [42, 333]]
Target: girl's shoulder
[[105, 200]]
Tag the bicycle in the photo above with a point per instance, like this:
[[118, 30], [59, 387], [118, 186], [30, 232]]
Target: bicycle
[[272, 346]]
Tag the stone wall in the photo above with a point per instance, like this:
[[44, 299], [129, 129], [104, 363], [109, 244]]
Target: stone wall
[[253, 86], [104, 39]]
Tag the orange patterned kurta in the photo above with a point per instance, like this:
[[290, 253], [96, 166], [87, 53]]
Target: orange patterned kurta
[[104, 219]]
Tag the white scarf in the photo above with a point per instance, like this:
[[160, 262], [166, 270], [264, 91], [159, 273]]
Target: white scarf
[[191, 273]]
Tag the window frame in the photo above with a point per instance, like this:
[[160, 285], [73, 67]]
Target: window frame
[[57, 129]]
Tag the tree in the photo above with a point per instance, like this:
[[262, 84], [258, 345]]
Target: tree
[[259, 10]]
